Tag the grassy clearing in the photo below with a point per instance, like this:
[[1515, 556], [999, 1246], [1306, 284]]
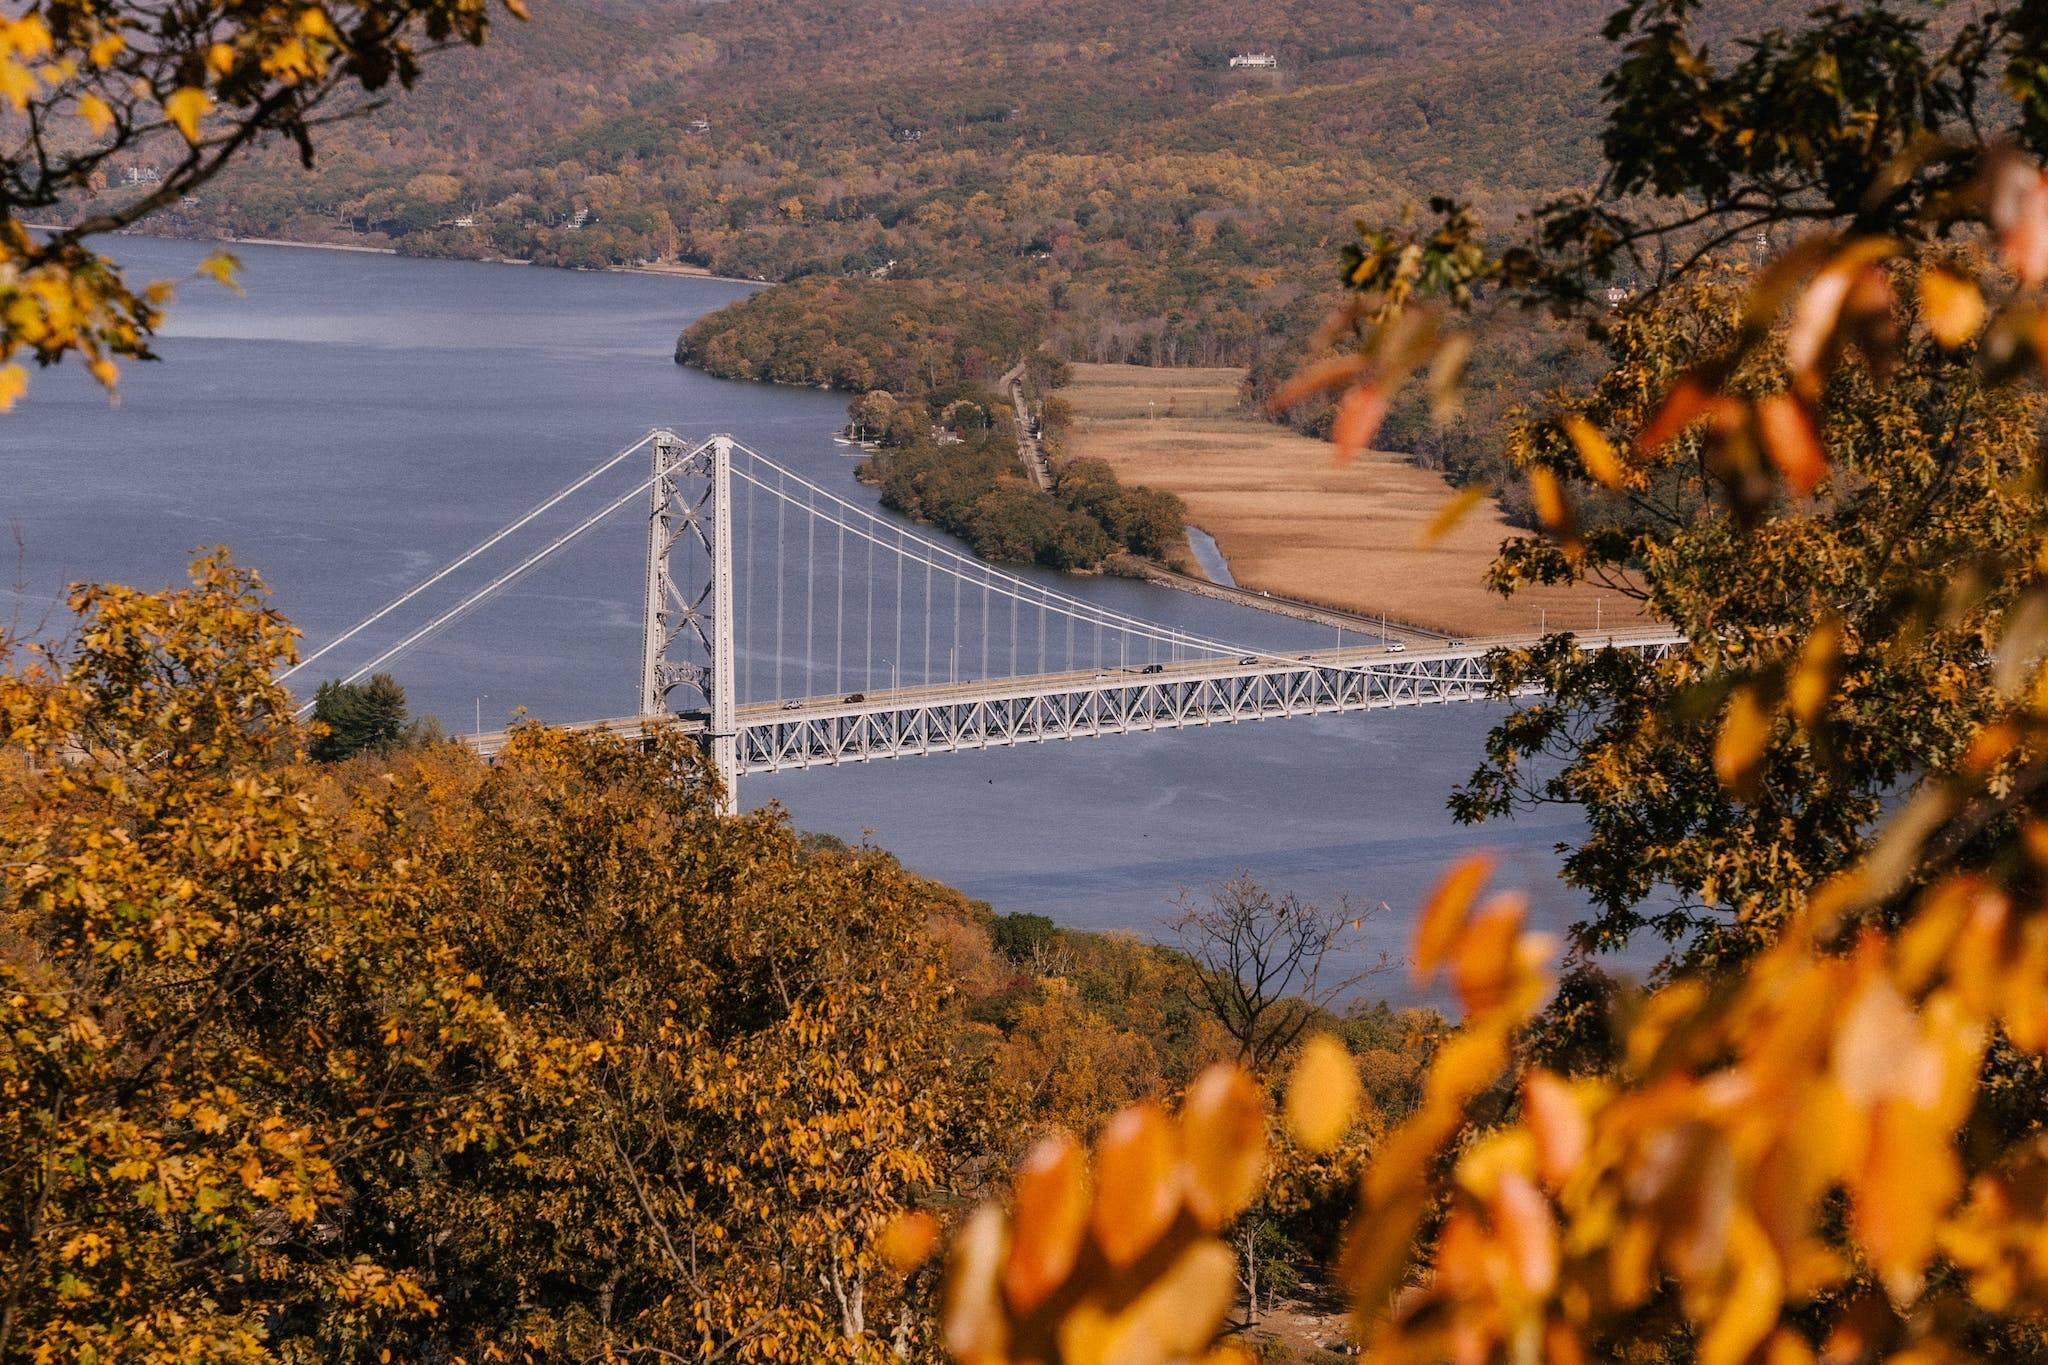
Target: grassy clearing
[[1291, 521]]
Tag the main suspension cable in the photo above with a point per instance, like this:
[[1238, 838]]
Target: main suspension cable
[[495, 538]]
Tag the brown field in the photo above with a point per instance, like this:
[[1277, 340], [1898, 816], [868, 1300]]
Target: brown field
[[1291, 521]]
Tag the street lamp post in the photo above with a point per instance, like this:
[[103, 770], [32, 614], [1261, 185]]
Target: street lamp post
[[480, 712]]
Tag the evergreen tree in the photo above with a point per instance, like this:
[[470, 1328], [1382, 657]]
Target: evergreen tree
[[366, 717]]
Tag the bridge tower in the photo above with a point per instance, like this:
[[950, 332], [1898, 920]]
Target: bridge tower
[[686, 628]]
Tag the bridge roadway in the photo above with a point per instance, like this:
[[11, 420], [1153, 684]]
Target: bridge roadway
[[996, 713]]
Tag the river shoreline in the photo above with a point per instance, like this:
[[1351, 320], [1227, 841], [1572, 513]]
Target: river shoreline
[[677, 272]]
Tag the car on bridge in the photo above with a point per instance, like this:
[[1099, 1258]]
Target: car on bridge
[[1154, 668], [856, 696]]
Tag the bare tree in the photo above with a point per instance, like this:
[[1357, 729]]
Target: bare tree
[[1264, 965]]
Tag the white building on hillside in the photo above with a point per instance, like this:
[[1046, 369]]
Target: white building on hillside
[[1256, 61]]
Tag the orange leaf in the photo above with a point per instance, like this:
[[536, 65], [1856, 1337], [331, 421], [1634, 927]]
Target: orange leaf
[[1553, 508], [1322, 1094], [972, 1322], [1813, 681], [1137, 1176], [1451, 513], [1740, 745], [1552, 1115], [1442, 916], [908, 1238], [1596, 452], [1358, 420], [1223, 1141], [1320, 377], [1817, 315], [1484, 968], [1527, 1231], [1051, 1214], [2018, 208], [1952, 306], [1687, 402], [1792, 440]]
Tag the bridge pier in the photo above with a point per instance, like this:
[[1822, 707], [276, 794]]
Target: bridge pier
[[690, 505]]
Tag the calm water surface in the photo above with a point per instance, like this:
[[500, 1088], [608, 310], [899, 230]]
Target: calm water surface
[[355, 421]]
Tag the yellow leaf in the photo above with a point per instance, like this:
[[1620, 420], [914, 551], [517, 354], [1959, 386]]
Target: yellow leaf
[[1739, 746], [220, 267], [1223, 1142], [220, 59], [105, 49], [1596, 452], [1450, 514], [1749, 1311], [1176, 1313], [1322, 1094], [1952, 306], [98, 117], [1813, 681], [13, 384], [185, 107]]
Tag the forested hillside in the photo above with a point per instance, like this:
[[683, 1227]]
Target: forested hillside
[[1171, 209]]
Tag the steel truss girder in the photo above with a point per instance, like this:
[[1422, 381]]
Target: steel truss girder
[[1026, 715]]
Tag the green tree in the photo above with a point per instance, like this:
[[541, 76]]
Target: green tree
[[366, 717]]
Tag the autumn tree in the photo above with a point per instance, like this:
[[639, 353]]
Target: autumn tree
[[83, 82], [542, 1060], [1819, 1137]]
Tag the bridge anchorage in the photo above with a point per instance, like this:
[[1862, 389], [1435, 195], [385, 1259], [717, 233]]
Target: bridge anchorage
[[761, 637]]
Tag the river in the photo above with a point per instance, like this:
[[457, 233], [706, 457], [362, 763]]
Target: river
[[352, 421]]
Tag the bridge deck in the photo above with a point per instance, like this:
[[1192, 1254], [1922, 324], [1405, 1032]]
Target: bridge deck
[[948, 718]]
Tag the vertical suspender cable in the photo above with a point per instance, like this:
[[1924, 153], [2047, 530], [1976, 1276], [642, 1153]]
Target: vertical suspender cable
[[839, 614], [927, 623], [867, 668], [780, 505], [896, 654], [810, 593], [738, 600], [984, 629]]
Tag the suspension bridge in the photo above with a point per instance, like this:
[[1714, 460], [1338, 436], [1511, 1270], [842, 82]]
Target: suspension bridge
[[787, 627]]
